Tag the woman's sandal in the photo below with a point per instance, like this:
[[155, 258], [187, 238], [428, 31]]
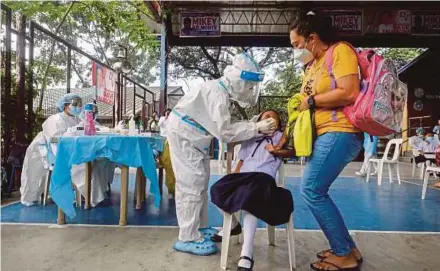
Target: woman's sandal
[[239, 268], [312, 265], [320, 255]]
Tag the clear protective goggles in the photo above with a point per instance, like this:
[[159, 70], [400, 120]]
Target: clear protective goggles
[[76, 102]]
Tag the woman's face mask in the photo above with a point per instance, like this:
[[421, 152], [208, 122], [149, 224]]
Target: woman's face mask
[[75, 110], [303, 55]]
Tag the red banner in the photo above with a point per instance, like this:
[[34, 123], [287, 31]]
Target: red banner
[[381, 21], [104, 80]]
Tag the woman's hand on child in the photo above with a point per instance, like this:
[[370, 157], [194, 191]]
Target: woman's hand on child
[[270, 148]]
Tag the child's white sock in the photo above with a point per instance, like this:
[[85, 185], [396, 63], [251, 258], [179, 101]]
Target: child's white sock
[[249, 229]]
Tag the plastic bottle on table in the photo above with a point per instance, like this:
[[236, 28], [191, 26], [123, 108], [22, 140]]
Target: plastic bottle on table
[[132, 126], [89, 122]]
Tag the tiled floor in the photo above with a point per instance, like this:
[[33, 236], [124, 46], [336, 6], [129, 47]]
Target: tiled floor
[[365, 206]]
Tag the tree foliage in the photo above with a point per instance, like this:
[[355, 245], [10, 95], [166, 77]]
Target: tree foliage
[[96, 27]]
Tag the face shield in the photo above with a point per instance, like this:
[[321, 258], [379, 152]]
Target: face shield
[[72, 100], [244, 77], [75, 102]]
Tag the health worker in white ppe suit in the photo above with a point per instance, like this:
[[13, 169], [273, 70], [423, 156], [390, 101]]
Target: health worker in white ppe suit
[[34, 171], [200, 115]]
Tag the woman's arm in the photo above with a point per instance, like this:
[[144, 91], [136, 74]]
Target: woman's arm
[[283, 153], [346, 94], [346, 73], [283, 141], [238, 167]]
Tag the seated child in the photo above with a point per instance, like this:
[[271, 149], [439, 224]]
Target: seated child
[[253, 189]]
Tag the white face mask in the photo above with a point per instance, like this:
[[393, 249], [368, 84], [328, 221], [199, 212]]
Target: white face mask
[[303, 56]]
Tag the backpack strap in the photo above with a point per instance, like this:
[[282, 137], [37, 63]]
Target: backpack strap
[[329, 64]]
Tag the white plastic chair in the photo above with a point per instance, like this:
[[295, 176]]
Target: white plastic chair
[[384, 160], [429, 170], [414, 165], [48, 164], [222, 149], [227, 226]]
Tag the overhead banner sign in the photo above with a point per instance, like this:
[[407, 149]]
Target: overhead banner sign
[[199, 24], [380, 21], [346, 21], [104, 80], [426, 22]]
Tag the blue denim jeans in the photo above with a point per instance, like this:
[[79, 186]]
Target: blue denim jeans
[[331, 153]]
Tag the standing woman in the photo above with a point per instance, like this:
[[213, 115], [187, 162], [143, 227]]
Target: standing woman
[[338, 142]]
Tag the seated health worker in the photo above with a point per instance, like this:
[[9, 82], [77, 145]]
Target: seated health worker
[[33, 174], [253, 189]]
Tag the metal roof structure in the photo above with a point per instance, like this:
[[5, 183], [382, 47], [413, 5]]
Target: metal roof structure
[[266, 23]]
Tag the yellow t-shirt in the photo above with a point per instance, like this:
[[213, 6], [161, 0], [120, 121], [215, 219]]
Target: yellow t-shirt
[[344, 63]]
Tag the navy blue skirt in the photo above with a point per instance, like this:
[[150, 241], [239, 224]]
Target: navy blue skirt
[[255, 192]]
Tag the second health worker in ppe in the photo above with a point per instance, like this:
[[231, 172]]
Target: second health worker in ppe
[[34, 172], [203, 113]]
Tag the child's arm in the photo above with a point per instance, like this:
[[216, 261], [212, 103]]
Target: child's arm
[[238, 167]]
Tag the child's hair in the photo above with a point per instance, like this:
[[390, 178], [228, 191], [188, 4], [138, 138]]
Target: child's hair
[[278, 118]]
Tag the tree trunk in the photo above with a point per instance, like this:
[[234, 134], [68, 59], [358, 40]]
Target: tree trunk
[[21, 79], [49, 62]]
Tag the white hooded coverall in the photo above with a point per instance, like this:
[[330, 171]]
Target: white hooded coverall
[[200, 114], [34, 173]]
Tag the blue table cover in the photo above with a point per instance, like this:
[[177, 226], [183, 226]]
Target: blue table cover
[[156, 142], [131, 151]]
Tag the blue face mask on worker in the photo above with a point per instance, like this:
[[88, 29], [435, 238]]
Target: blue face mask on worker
[[75, 110]]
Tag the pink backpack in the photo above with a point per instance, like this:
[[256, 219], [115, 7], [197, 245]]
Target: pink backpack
[[378, 110]]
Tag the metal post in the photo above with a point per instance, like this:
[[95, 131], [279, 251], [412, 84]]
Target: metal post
[[117, 100], [69, 67], [30, 94], [21, 80], [134, 99], [164, 69], [7, 113], [144, 125], [121, 96], [125, 96]]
